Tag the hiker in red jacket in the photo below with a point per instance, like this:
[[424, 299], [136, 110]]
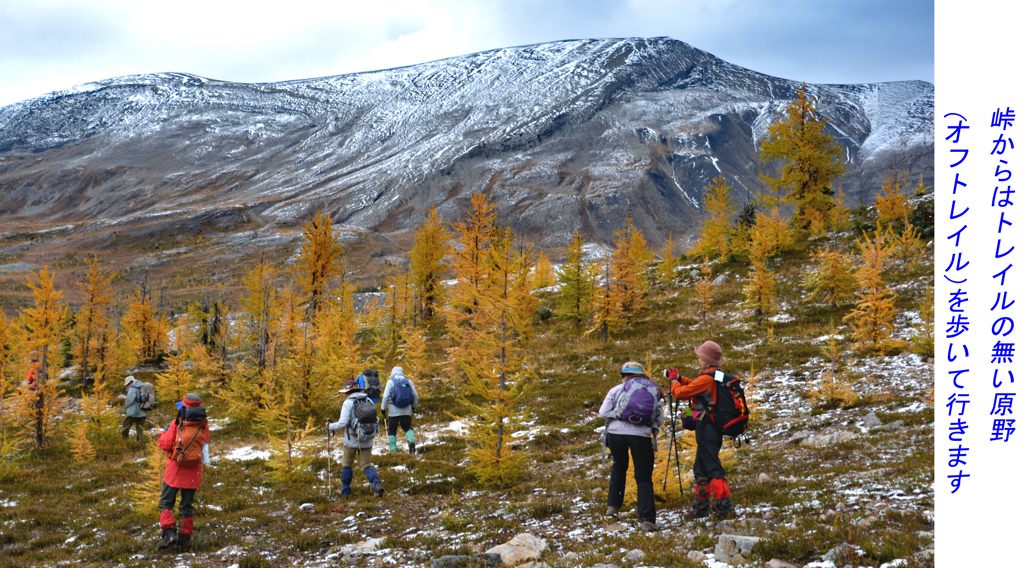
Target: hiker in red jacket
[[185, 458], [708, 473]]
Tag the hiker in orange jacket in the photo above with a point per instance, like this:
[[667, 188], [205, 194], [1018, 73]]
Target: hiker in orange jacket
[[33, 372], [708, 473], [182, 477]]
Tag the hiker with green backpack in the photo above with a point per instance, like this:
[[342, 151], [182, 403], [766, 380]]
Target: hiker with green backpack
[[719, 408], [359, 420], [633, 415], [399, 401]]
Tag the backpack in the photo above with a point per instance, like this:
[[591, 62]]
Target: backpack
[[730, 413], [401, 393], [371, 384], [364, 418], [188, 450], [147, 396], [638, 401]]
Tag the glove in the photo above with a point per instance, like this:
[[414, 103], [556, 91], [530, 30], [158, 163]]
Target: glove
[[673, 374], [328, 426]]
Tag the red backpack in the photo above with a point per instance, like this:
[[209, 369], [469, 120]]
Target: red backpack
[[730, 412]]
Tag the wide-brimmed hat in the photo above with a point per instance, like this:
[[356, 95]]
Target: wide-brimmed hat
[[710, 352], [351, 386], [129, 380], [632, 368]]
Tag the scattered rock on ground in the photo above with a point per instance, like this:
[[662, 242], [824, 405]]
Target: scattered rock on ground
[[822, 440], [799, 437], [459, 561], [615, 527], [734, 548], [635, 555], [764, 478], [697, 556], [838, 553], [522, 547], [776, 563], [720, 280]]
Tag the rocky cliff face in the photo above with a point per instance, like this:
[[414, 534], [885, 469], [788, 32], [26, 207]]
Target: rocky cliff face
[[572, 135]]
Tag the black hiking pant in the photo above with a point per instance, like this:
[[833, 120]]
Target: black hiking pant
[[709, 442], [642, 450], [395, 421]]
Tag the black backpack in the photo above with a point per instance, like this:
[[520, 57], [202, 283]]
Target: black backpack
[[371, 384], [730, 413], [364, 418]]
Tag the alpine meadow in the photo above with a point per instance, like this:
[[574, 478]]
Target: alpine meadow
[[509, 284]]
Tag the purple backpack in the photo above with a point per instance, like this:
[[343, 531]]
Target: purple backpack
[[638, 402]]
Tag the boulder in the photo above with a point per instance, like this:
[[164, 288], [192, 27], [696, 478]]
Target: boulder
[[776, 563], [522, 547], [799, 437], [734, 548], [839, 553], [722, 279], [872, 420], [615, 527], [635, 555], [696, 556]]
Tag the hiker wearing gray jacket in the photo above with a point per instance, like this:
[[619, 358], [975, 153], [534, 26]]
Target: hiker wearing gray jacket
[[134, 415], [353, 445], [628, 433], [400, 390]]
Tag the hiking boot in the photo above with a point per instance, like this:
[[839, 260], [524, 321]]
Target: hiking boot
[[184, 541], [412, 447], [648, 526], [723, 508], [378, 489], [613, 512], [701, 508], [167, 538]]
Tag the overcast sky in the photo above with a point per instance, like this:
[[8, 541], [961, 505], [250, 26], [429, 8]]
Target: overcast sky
[[48, 45]]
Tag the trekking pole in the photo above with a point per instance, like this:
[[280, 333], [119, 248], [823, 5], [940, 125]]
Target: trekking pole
[[328, 459], [679, 465]]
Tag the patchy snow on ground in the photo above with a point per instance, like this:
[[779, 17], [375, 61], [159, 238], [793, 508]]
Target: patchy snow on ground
[[247, 453]]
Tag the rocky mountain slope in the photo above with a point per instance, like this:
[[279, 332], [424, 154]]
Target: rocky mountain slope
[[564, 136]]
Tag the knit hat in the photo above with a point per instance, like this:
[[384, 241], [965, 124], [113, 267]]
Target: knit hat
[[351, 386], [710, 352], [397, 372], [129, 380], [190, 400], [632, 368]]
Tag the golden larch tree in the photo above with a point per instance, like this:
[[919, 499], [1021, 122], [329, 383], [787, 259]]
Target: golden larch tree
[[831, 278], [97, 294], [759, 291], [427, 261], [810, 161], [872, 318], [716, 229], [44, 322]]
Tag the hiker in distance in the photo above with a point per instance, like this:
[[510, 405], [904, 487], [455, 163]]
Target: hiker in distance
[[369, 381], [134, 415], [400, 400], [185, 442], [703, 393], [359, 421], [633, 414]]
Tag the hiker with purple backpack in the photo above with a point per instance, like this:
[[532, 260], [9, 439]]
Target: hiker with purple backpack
[[633, 413]]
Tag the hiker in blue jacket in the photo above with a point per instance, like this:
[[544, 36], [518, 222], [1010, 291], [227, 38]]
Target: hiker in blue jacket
[[633, 416], [400, 400]]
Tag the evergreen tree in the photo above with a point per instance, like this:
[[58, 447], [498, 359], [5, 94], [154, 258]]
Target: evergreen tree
[[427, 264], [810, 161], [576, 278], [715, 230]]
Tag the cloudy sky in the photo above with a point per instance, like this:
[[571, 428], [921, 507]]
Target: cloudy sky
[[48, 45]]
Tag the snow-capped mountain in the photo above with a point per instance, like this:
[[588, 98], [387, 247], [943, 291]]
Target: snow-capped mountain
[[563, 136]]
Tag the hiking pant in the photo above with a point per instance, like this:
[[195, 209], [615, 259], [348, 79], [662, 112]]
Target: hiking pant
[[167, 496], [130, 421], [395, 421], [709, 442], [621, 446], [348, 458]]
